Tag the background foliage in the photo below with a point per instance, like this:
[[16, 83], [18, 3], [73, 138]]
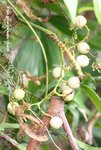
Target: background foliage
[[87, 101]]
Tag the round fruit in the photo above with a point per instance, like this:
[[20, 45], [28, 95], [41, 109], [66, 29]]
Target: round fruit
[[82, 60], [57, 72], [83, 47], [56, 122], [68, 94], [11, 107], [63, 86], [74, 82], [19, 94], [80, 21]]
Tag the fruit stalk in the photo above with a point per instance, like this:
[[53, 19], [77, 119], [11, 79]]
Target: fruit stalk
[[56, 108], [66, 50]]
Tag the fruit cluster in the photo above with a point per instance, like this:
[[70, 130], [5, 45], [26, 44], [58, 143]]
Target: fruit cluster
[[68, 87], [82, 47], [18, 94], [82, 60]]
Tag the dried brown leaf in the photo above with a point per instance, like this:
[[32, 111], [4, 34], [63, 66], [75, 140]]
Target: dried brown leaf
[[29, 117], [24, 6], [22, 108], [38, 137], [34, 79]]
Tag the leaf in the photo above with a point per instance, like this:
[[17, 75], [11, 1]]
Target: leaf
[[72, 108], [31, 134], [96, 100], [86, 146], [24, 6], [56, 22], [97, 9], [85, 8], [9, 126], [3, 90], [21, 147], [30, 56], [72, 8]]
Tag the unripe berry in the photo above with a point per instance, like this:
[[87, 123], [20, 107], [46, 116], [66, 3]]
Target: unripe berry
[[56, 122], [11, 107], [83, 47], [80, 21], [57, 72], [63, 86], [68, 94], [74, 82], [19, 94], [82, 60]]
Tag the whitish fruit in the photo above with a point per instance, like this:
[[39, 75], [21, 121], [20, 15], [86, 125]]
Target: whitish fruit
[[80, 21], [11, 107], [68, 94], [82, 60], [63, 86], [56, 122], [57, 72], [74, 82], [19, 94], [83, 47]]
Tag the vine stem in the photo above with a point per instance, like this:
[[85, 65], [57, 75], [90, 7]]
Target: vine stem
[[68, 132], [46, 130], [42, 47], [49, 94], [56, 108], [44, 30], [12, 141]]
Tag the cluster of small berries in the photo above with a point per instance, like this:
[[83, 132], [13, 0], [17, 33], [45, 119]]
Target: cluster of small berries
[[66, 88], [82, 47], [69, 86], [73, 82], [18, 94]]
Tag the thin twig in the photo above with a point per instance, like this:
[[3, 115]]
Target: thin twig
[[91, 125], [68, 132], [9, 139]]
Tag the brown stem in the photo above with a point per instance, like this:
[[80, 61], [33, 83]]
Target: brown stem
[[90, 127], [56, 108], [9, 139], [68, 132], [68, 54]]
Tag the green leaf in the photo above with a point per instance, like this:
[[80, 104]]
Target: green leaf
[[97, 9], [9, 126], [96, 100], [86, 146], [85, 8], [21, 147], [72, 8], [30, 56], [3, 90]]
